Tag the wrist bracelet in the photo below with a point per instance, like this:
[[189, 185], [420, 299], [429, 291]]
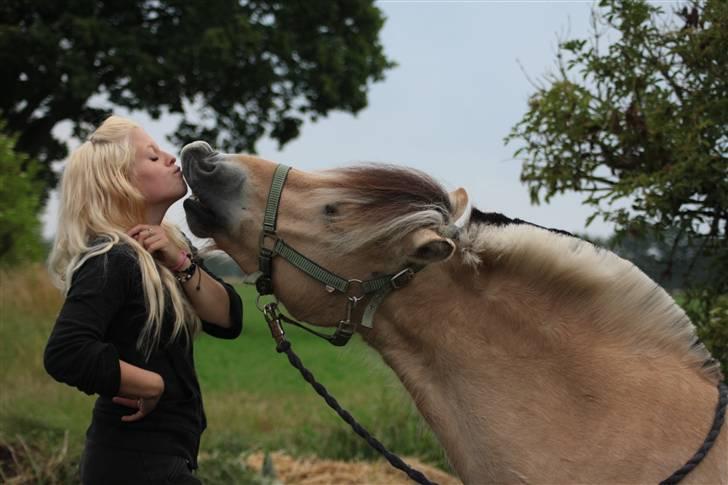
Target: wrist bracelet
[[183, 256], [186, 275]]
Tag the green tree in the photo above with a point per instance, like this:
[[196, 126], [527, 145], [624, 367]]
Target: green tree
[[232, 70], [638, 115], [20, 191]]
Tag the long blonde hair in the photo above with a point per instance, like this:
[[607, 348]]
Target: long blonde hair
[[98, 204]]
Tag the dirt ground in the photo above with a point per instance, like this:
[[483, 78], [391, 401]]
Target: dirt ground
[[315, 471]]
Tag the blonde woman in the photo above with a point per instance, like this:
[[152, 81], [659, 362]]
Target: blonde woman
[[136, 296]]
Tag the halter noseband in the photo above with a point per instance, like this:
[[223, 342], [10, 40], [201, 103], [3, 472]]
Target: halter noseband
[[355, 290]]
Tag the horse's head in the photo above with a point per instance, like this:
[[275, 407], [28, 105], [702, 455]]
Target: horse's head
[[358, 223]]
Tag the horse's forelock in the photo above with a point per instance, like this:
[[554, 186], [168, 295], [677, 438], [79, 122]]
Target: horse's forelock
[[392, 189], [387, 202]]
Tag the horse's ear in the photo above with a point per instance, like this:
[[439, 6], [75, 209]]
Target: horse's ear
[[426, 246], [460, 203]]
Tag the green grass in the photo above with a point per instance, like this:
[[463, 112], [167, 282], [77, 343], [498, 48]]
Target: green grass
[[254, 399]]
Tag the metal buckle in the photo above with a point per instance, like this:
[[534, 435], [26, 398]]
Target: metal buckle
[[402, 278], [270, 235]]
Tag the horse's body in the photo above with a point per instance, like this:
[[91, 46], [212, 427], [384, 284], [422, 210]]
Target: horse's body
[[535, 357]]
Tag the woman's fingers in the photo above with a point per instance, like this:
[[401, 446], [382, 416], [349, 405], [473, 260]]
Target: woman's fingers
[[131, 403], [135, 230], [140, 228], [155, 240], [133, 417], [144, 231], [156, 245], [125, 401], [150, 237]]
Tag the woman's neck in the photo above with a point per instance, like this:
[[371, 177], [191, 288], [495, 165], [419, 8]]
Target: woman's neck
[[155, 214]]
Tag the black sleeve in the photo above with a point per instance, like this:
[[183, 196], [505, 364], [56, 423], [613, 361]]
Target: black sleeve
[[76, 352], [236, 312]]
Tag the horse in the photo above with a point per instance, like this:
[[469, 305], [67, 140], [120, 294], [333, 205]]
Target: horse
[[534, 356]]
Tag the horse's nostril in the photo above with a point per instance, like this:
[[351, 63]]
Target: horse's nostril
[[207, 165]]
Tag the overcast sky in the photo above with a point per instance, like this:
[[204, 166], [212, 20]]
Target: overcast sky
[[460, 85]]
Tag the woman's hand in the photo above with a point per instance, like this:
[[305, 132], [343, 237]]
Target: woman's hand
[[139, 389], [155, 240], [143, 405]]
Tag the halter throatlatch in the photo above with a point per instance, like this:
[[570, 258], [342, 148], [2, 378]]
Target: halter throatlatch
[[355, 290]]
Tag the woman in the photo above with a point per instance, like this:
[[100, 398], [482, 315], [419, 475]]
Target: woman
[[135, 298]]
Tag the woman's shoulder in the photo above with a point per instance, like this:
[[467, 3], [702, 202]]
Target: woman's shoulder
[[108, 261], [119, 252]]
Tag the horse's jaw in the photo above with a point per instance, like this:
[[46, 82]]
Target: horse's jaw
[[411, 334]]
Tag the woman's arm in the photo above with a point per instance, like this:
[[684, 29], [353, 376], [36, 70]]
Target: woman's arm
[[77, 353], [216, 303], [137, 382], [208, 297], [139, 389]]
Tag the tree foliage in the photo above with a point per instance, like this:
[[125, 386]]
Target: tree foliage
[[20, 192], [636, 118], [233, 70]]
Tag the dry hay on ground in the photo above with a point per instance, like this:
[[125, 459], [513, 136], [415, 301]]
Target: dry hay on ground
[[315, 471]]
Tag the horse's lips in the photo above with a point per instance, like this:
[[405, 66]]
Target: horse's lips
[[199, 212]]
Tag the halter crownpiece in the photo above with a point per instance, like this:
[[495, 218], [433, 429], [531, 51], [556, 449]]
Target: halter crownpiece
[[354, 289]]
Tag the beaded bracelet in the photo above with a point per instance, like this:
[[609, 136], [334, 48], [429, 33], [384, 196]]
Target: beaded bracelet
[[186, 275]]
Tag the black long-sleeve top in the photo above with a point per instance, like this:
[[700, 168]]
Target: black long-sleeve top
[[98, 325]]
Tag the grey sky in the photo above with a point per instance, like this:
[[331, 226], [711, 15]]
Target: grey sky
[[457, 91]]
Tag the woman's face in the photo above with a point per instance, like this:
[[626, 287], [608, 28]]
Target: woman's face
[[155, 173]]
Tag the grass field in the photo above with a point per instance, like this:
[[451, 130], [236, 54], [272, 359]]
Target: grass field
[[254, 399]]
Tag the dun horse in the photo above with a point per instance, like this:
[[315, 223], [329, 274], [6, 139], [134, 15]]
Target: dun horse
[[535, 357]]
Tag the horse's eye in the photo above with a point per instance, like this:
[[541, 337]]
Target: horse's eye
[[330, 210]]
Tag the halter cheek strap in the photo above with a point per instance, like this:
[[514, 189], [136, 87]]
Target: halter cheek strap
[[355, 290]]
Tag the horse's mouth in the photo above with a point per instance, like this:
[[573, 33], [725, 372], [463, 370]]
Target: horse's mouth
[[201, 218], [194, 204]]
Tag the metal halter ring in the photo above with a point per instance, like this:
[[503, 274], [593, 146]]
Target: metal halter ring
[[355, 298]]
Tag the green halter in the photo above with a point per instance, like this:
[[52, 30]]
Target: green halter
[[355, 290]]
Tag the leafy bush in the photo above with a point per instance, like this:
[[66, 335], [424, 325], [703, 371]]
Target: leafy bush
[[20, 203]]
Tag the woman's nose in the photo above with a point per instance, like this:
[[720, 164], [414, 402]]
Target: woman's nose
[[172, 160]]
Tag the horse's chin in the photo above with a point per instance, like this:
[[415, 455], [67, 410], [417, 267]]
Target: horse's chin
[[202, 221]]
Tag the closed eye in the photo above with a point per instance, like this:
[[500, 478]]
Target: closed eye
[[154, 159]]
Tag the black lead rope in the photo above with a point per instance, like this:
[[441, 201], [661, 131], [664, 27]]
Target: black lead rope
[[274, 317], [709, 441], [394, 460], [283, 345]]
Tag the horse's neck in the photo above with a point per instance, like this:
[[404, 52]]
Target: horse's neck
[[511, 381]]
